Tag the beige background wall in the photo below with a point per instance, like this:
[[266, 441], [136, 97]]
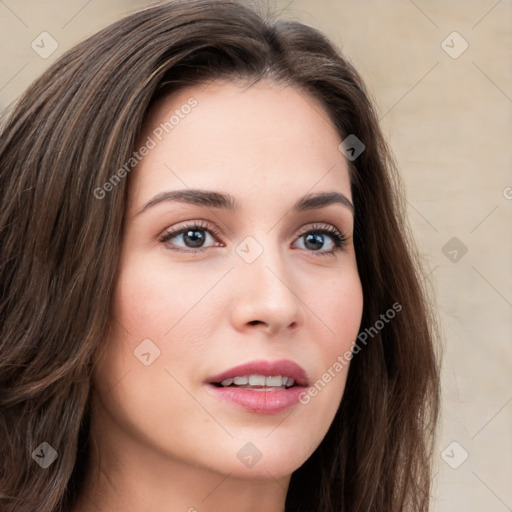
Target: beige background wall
[[447, 112]]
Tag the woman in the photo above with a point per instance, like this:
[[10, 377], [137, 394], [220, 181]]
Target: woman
[[209, 297]]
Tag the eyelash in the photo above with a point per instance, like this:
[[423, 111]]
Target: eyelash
[[338, 238]]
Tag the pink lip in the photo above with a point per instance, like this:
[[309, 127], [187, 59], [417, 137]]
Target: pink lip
[[262, 402]]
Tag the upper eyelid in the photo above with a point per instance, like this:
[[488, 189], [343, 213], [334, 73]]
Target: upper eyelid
[[214, 231]]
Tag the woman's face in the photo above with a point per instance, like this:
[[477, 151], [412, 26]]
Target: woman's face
[[263, 284]]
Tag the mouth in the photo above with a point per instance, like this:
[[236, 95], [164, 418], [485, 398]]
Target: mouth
[[258, 382], [265, 387]]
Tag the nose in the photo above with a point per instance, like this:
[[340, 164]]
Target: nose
[[266, 296]]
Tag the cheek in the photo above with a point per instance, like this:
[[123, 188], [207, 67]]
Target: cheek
[[341, 308], [152, 297], [158, 309], [340, 311], [149, 316]]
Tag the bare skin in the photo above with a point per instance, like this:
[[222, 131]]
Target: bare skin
[[166, 442]]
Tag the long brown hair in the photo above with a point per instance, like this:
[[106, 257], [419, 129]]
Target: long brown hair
[[59, 247]]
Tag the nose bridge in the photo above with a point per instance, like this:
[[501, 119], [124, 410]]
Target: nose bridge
[[263, 260], [265, 288]]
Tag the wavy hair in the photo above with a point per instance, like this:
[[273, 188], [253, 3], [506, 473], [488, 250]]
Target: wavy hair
[[59, 249]]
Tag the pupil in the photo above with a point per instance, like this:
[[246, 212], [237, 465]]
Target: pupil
[[315, 237]]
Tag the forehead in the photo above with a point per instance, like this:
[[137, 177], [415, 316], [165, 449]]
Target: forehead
[[230, 135]]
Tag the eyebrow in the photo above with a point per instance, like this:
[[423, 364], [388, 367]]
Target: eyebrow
[[212, 199]]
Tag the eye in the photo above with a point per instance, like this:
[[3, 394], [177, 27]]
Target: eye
[[195, 235], [315, 236]]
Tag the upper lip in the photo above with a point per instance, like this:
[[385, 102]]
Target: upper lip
[[283, 367]]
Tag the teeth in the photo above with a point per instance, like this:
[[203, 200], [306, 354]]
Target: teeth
[[259, 380], [274, 381]]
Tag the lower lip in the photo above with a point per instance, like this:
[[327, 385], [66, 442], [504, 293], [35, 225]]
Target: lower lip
[[262, 402]]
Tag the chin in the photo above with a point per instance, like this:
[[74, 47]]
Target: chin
[[262, 457]]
